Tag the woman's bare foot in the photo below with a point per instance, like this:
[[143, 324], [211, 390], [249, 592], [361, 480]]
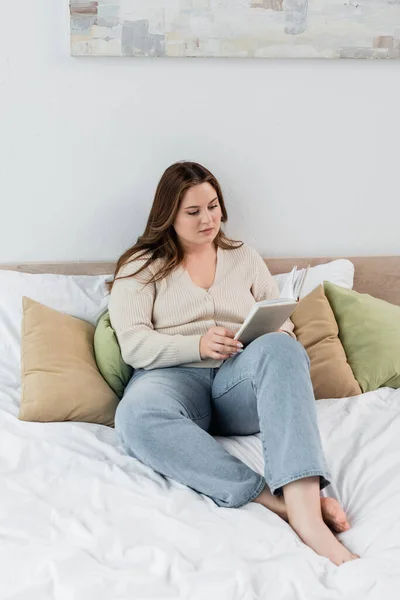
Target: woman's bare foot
[[311, 528], [334, 515], [303, 503], [318, 536]]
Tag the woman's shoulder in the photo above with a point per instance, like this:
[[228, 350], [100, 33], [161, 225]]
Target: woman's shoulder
[[130, 268], [244, 252]]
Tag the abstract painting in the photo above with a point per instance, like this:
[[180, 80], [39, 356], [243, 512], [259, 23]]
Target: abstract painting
[[236, 28]]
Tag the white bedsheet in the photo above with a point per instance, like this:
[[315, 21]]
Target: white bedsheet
[[81, 520]]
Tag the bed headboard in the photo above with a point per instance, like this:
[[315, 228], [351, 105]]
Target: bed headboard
[[375, 275]]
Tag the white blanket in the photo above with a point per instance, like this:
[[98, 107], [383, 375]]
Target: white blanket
[[81, 520]]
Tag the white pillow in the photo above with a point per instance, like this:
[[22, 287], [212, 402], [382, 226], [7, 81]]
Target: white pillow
[[339, 271], [82, 296]]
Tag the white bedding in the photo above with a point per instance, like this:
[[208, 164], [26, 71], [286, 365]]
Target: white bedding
[[81, 520]]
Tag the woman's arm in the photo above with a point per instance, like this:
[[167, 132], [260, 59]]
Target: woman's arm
[[265, 287], [130, 309]]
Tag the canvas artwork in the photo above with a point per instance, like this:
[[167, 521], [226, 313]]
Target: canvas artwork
[[236, 28]]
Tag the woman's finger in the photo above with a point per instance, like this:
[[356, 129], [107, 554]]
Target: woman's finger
[[223, 332], [228, 343], [220, 356]]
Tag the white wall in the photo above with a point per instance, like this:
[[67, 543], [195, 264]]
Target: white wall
[[307, 152]]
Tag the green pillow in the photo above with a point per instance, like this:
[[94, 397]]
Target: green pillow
[[108, 356], [369, 330]]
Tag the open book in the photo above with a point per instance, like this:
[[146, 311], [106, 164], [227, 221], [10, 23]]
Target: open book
[[269, 315], [294, 284]]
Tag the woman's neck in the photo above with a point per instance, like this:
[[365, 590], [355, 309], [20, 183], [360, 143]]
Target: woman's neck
[[204, 251]]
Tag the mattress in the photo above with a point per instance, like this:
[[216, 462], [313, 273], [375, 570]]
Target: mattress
[[82, 520]]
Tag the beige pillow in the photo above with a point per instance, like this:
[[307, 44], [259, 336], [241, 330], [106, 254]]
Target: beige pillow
[[316, 329], [60, 379]]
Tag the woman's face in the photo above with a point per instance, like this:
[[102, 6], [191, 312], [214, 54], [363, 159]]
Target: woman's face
[[199, 216]]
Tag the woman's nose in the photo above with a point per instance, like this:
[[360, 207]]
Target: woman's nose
[[206, 216]]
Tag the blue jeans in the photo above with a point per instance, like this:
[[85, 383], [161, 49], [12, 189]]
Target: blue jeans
[[167, 419]]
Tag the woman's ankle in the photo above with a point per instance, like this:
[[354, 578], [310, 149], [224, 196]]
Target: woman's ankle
[[274, 503], [303, 503], [304, 522]]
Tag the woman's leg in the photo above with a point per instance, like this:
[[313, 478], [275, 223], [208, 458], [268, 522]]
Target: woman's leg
[[267, 388], [162, 420]]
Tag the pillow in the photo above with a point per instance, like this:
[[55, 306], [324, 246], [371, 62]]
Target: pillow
[[82, 296], [339, 271], [60, 379], [108, 356], [369, 329], [316, 329]]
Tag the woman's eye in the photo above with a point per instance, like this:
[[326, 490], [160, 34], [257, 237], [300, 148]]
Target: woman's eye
[[197, 212]]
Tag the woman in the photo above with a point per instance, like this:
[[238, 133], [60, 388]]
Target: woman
[[178, 297]]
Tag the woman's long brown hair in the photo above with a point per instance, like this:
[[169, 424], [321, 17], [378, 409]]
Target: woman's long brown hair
[[159, 238]]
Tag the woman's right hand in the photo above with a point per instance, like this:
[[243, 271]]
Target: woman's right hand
[[218, 343]]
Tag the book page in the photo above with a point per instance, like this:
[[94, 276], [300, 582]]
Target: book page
[[288, 290]]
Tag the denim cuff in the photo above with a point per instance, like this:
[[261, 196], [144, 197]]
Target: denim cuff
[[256, 493], [324, 480]]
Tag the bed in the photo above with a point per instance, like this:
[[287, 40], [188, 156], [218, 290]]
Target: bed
[[81, 520]]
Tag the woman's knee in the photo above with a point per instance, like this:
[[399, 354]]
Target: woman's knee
[[140, 411], [279, 345]]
